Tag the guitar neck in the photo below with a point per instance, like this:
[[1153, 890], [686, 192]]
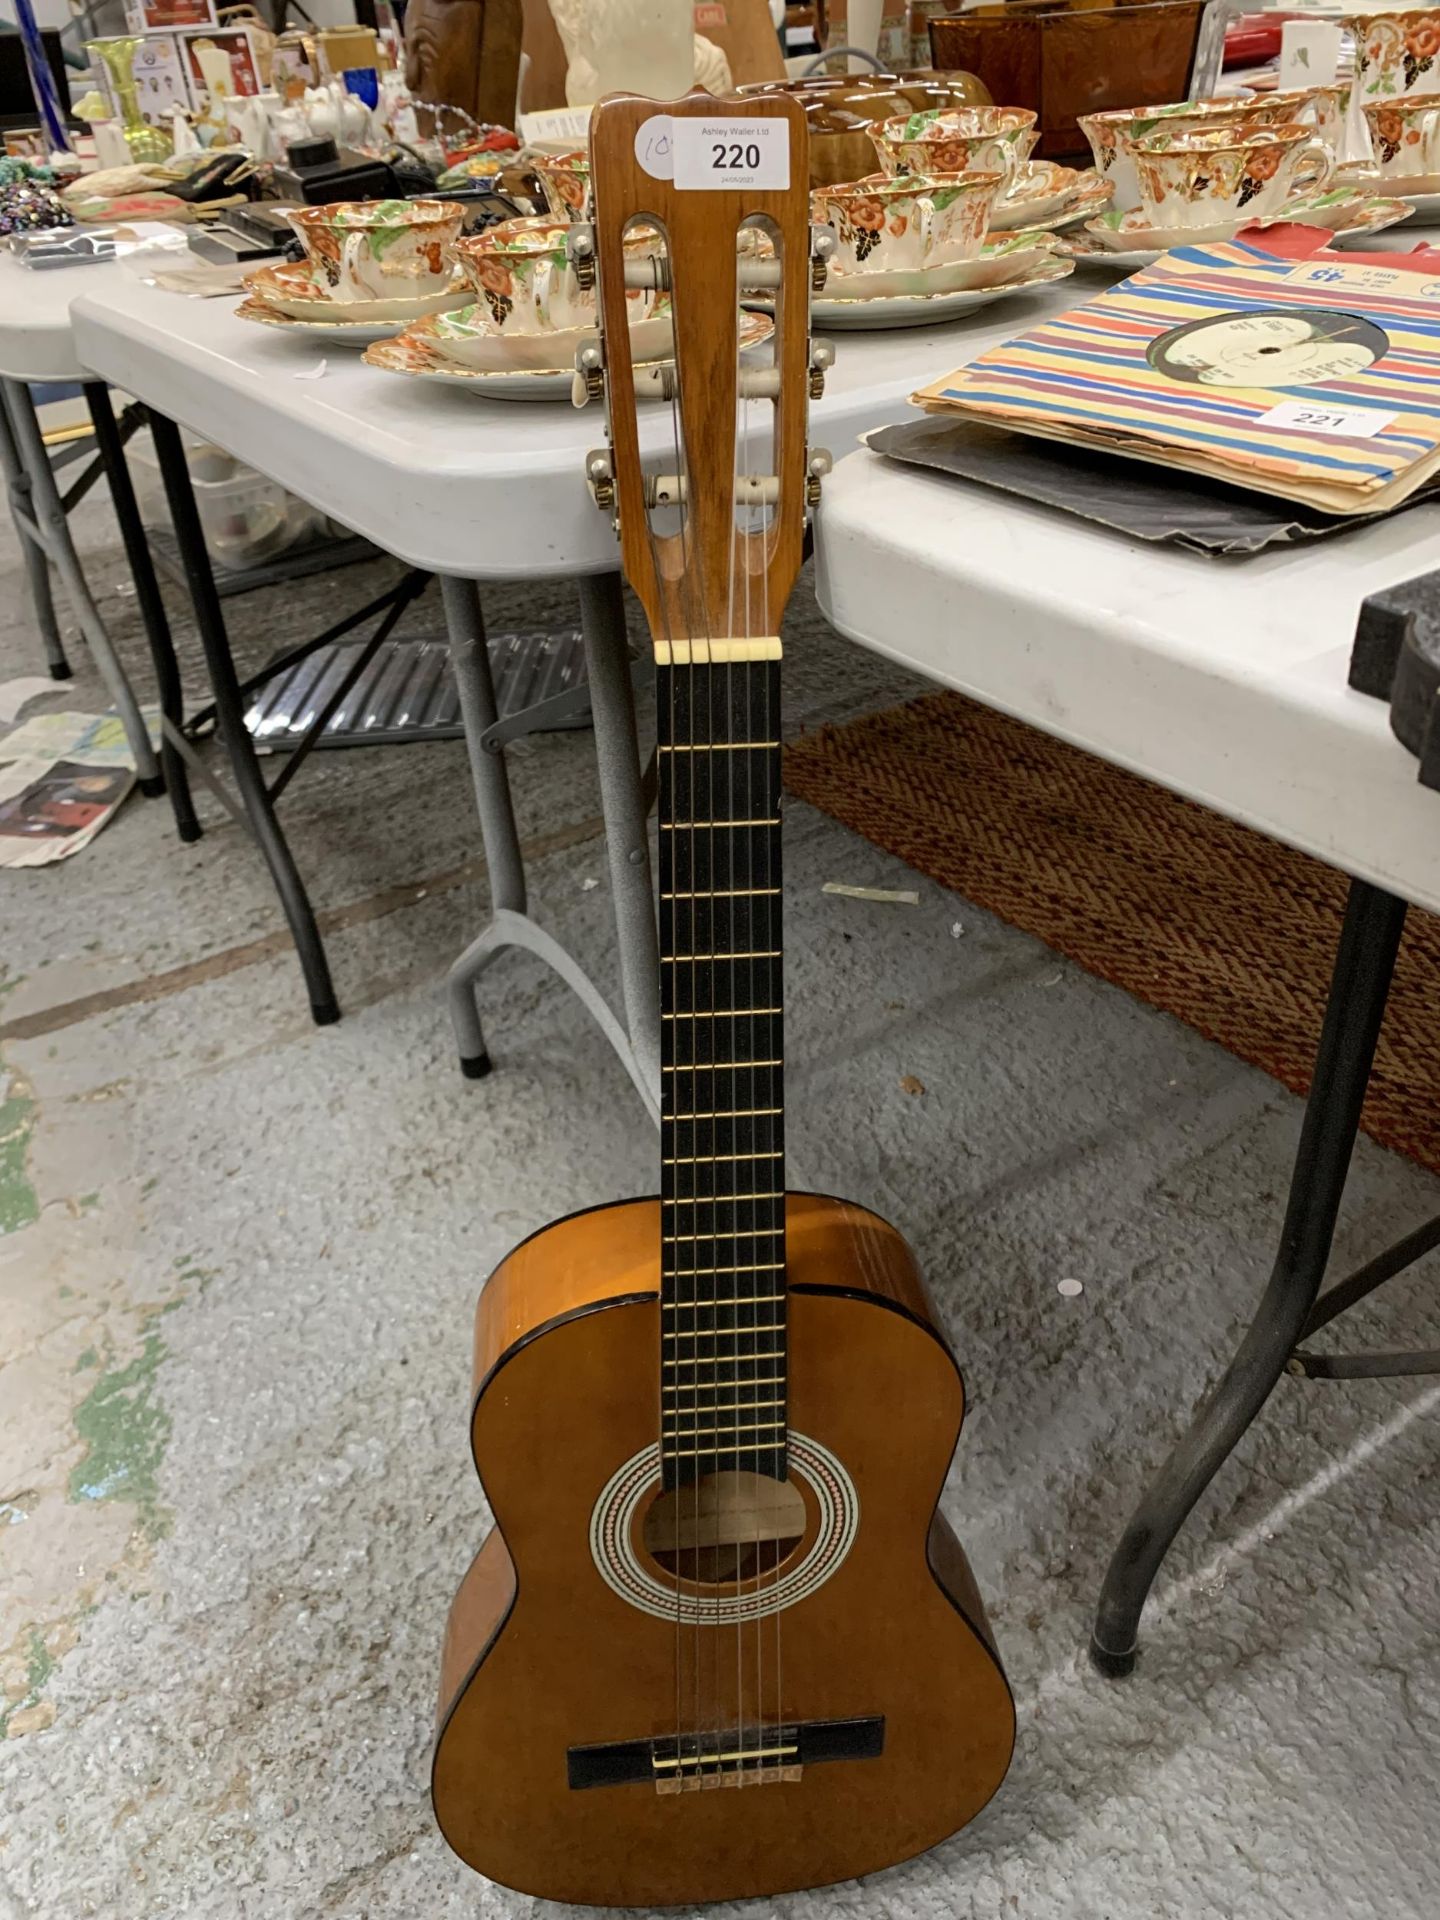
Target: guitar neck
[[723, 1348]]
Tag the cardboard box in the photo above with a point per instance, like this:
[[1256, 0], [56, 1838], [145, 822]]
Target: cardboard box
[[341, 48], [237, 46], [160, 79], [169, 16]]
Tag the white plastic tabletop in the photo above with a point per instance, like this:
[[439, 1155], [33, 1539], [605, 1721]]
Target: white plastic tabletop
[[36, 339], [481, 488], [1224, 680]]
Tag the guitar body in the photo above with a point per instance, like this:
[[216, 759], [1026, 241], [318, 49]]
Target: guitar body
[[558, 1649]]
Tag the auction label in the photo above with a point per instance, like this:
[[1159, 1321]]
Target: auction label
[[1346, 423], [1340, 276], [730, 153]]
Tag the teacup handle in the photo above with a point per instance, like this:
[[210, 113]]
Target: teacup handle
[[1314, 166], [351, 251]]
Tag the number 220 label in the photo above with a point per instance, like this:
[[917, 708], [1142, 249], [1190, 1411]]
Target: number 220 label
[[714, 154]]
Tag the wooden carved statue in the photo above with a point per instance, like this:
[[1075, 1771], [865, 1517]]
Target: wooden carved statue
[[465, 53]]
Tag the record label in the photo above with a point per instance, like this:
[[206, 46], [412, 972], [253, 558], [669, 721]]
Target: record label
[[1269, 347]]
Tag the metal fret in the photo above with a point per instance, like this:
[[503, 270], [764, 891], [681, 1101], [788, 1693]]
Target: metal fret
[[722, 1333], [759, 1266], [721, 1066], [745, 1426], [724, 893], [726, 1233], [723, 1013], [697, 1360]]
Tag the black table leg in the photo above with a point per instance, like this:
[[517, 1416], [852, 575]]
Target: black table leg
[[1359, 987], [152, 607], [230, 720]]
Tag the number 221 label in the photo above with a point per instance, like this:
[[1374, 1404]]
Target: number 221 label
[[716, 154]]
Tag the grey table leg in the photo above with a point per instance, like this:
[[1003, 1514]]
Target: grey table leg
[[259, 805], [510, 922], [1359, 988], [152, 607], [22, 512], [625, 808], [52, 531]]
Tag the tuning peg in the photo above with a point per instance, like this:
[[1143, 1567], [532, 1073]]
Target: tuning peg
[[590, 365], [600, 477], [580, 251], [822, 358], [822, 248], [817, 467]]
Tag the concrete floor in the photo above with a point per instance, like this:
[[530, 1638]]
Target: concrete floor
[[238, 1259]]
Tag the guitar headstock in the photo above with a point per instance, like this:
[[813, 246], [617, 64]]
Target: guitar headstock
[[695, 200]]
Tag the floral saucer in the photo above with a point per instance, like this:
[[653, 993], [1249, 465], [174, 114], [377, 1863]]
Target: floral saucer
[[929, 309], [1007, 257], [1046, 195], [1130, 240], [411, 353], [1419, 191], [292, 287], [339, 333], [466, 337]]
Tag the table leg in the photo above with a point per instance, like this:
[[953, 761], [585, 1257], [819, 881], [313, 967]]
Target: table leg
[[230, 720], [53, 533], [22, 512], [152, 607], [510, 922], [1359, 988], [625, 808]]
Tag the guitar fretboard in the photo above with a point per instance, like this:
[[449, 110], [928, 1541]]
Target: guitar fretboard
[[723, 1349]]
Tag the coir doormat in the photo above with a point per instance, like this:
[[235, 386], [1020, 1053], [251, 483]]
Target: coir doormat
[[1225, 929]]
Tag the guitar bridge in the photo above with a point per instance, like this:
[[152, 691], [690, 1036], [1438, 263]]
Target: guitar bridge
[[696, 1763]]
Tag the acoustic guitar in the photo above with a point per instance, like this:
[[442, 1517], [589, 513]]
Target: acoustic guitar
[[721, 1642]]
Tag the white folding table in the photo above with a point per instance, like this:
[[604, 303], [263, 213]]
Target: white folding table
[[1227, 681], [472, 490], [36, 348]]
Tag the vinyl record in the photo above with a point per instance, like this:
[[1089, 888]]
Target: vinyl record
[[1269, 347]]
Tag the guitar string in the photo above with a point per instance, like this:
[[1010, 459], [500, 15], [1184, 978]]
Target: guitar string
[[754, 812], [776, 920], [670, 1177], [733, 1103], [740, 537], [695, 629]]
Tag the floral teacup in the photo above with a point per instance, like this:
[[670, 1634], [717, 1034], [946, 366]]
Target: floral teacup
[[1205, 177], [1395, 53], [884, 223], [957, 140], [1405, 136], [381, 249], [1112, 136], [522, 272], [565, 179]]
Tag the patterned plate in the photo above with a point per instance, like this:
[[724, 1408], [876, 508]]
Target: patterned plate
[[928, 309], [411, 354], [337, 333], [292, 287], [1127, 240], [1005, 258], [1047, 195]]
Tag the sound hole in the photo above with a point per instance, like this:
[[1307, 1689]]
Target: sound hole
[[726, 1528]]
